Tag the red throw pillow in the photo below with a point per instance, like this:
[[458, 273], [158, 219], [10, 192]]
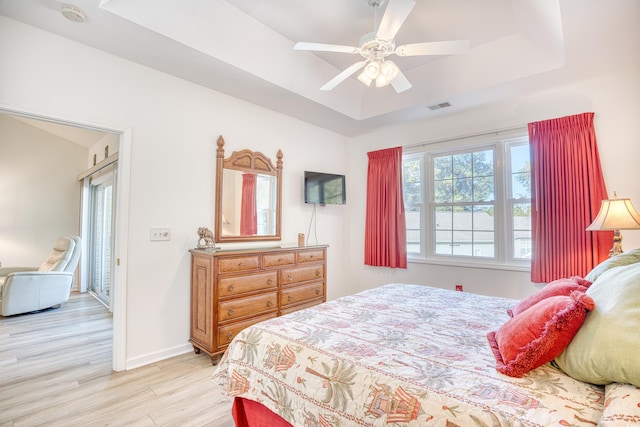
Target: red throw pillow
[[538, 334], [557, 287]]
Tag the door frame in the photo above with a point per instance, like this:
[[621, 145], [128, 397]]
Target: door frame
[[119, 322]]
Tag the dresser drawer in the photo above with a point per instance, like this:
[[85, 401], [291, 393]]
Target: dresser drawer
[[292, 308], [242, 307], [228, 286], [238, 263], [227, 333], [275, 260], [302, 293], [302, 274], [311, 255]]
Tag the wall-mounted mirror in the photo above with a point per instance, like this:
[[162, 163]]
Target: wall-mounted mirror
[[248, 196]]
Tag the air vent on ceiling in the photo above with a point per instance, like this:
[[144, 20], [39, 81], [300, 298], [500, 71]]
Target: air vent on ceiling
[[439, 106]]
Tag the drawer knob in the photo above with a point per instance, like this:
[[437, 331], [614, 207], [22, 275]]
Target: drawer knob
[[289, 278], [230, 336], [230, 288], [270, 282], [239, 265], [269, 303], [231, 312], [317, 291], [289, 298], [317, 273]]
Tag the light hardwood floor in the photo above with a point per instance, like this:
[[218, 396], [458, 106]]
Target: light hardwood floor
[[55, 370]]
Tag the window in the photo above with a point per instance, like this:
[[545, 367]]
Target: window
[[470, 203]]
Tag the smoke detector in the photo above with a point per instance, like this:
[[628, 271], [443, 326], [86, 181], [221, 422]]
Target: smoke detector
[[72, 13]]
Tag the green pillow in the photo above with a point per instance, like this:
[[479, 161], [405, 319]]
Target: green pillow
[[606, 348], [625, 258]]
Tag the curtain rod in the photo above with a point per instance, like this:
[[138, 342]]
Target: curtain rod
[[101, 165], [470, 135]]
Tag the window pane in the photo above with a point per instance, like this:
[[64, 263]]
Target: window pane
[[443, 191], [444, 242], [462, 243], [442, 168], [483, 219], [483, 190], [520, 157], [411, 180], [472, 181], [522, 231], [443, 218], [520, 172], [412, 217], [483, 244], [462, 218], [483, 163], [462, 165], [463, 191]]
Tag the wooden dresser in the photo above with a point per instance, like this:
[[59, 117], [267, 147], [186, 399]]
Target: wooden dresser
[[231, 290]]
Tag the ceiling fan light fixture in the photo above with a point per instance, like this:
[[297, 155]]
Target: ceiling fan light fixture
[[382, 80], [376, 45], [389, 69], [372, 69], [364, 79]]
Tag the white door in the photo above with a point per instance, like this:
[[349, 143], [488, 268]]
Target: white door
[[102, 191]]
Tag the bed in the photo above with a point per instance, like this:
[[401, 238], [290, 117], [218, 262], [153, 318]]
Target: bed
[[403, 355]]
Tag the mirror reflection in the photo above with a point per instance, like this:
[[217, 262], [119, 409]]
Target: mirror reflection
[[249, 204], [248, 199]]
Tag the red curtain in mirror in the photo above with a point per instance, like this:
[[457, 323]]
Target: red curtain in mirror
[[248, 211], [567, 188], [385, 239]]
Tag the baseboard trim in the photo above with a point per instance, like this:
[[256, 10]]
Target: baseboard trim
[[149, 358]]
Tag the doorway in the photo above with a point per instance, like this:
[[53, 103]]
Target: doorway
[[119, 217]]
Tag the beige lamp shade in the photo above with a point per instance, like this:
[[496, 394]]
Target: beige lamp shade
[[616, 214]]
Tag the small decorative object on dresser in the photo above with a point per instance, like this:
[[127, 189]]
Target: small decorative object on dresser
[[205, 238], [234, 289]]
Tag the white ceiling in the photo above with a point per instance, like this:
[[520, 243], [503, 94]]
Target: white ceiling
[[78, 135], [245, 48]]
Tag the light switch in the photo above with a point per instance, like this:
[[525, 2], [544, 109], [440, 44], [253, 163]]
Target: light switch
[[159, 234]]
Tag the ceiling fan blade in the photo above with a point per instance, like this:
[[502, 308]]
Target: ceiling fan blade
[[452, 47], [395, 15], [322, 47], [342, 76], [400, 83]]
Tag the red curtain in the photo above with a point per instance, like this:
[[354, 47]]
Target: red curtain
[[248, 212], [385, 238], [567, 189]]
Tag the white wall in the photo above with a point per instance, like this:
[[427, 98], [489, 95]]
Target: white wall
[[613, 98], [174, 126], [39, 191]]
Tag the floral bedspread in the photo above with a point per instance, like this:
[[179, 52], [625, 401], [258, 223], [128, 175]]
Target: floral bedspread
[[402, 355]]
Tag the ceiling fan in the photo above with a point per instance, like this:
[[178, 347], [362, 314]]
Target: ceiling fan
[[377, 45]]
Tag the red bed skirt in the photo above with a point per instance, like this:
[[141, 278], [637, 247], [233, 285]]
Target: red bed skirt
[[247, 413]]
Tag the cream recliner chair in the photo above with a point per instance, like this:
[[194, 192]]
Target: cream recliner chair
[[26, 289]]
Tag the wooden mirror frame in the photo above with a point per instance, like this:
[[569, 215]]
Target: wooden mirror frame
[[250, 162]]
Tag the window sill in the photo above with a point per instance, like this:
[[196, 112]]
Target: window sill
[[524, 267]]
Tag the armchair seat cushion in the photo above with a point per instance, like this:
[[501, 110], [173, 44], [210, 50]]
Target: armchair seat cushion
[[27, 289]]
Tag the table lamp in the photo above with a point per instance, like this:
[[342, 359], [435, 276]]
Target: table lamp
[[616, 214]]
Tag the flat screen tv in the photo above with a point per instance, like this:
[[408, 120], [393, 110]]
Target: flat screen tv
[[324, 188]]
